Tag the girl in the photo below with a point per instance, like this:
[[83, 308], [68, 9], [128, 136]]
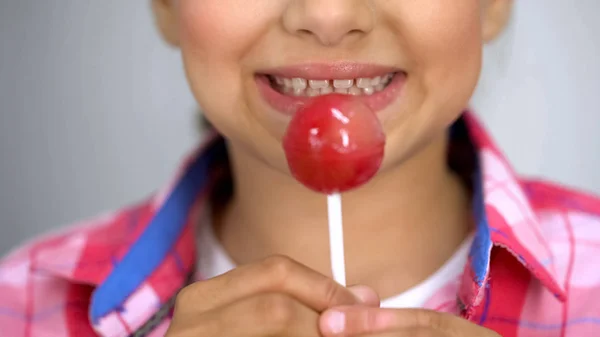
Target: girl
[[445, 241]]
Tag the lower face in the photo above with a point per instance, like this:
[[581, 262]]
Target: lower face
[[251, 64]]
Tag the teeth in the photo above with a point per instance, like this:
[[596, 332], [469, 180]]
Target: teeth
[[343, 84], [363, 83], [354, 91], [315, 84], [302, 87], [311, 92], [326, 91], [299, 83]]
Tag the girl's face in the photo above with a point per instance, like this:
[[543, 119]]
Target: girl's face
[[250, 63]]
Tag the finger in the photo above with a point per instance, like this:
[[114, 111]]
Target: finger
[[366, 294], [357, 320], [275, 274], [273, 314]]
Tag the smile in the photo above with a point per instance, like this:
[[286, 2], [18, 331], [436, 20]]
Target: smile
[[288, 89]]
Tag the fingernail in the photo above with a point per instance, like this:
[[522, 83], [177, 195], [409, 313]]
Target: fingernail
[[335, 322]]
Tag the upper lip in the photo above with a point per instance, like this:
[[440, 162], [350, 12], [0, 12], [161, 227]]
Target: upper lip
[[328, 71]]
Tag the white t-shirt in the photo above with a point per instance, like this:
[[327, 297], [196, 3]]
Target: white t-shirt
[[214, 261]]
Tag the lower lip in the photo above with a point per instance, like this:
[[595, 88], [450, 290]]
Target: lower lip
[[288, 105]]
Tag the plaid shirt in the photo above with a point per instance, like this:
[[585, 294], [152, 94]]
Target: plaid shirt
[[530, 270]]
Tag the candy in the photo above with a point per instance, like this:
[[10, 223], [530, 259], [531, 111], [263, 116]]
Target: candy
[[334, 144]]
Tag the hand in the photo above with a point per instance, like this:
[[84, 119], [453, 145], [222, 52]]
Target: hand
[[275, 297], [355, 321]]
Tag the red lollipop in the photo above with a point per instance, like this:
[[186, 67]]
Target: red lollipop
[[334, 144]]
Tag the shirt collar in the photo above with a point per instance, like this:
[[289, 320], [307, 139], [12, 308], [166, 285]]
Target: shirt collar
[[505, 219], [160, 232]]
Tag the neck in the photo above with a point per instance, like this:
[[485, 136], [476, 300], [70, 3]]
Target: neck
[[419, 209]]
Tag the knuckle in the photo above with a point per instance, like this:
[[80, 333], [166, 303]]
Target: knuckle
[[188, 296], [278, 268], [429, 319], [276, 311], [183, 296], [332, 293]]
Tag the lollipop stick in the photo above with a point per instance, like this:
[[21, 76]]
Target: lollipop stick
[[336, 238]]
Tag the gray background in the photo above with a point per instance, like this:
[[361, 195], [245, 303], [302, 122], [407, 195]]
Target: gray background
[[95, 112]]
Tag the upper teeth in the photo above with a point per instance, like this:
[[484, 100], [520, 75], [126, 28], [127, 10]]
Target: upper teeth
[[303, 87]]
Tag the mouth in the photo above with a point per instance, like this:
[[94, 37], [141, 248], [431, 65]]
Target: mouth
[[287, 90]]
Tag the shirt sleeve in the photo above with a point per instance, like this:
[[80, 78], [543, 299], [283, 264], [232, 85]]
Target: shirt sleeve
[[37, 303]]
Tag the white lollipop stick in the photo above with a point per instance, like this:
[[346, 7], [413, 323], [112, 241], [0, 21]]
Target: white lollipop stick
[[336, 238]]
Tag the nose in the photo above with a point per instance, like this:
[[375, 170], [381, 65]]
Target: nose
[[329, 22]]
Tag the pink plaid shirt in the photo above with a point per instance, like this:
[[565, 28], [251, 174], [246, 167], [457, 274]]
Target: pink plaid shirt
[[530, 270]]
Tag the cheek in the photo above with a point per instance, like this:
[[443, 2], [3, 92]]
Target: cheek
[[211, 37], [215, 38], [219, 41], [223, 30], [445, 40]]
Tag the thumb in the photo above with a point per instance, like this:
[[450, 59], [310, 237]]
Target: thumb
[[366, 295]]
